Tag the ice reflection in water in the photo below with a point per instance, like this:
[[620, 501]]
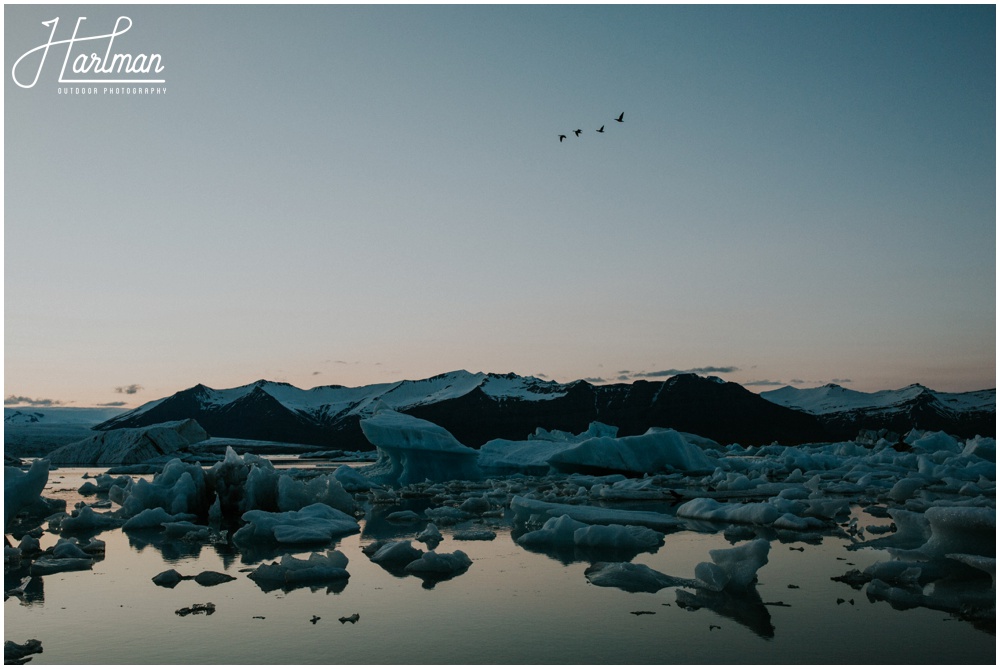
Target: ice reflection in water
[[511, 606]]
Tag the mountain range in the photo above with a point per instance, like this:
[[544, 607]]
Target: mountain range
[[478, 407]]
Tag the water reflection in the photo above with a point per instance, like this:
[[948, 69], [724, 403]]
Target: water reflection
[[744, 607]]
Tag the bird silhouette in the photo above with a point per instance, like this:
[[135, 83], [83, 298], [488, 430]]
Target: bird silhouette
[[562, 137], [601, 129], [577, 132], [621, 117]]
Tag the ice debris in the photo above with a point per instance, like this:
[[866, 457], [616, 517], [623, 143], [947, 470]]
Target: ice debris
[[290, 572]]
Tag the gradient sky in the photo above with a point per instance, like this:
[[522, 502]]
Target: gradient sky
[[360, 194]]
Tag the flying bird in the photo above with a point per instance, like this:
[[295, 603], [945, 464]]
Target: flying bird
[[562, 137], [601, 129], [578, 131], [621, 117]]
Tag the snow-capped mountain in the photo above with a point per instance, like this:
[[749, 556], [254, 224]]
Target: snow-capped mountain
[[477, 407], [899, 410]]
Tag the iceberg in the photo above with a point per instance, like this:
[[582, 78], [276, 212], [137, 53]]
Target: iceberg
[[412, 450], [129, 446], [526, 510], [631, 577], [440, 564], [532, 456], [290, 572], [316, 523], [23, 490], [179, 488], [658, 450]]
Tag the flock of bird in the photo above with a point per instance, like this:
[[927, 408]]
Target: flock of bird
[[620, 119]]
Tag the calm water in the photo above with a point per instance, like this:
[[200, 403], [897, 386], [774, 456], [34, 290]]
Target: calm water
[[511, 606]]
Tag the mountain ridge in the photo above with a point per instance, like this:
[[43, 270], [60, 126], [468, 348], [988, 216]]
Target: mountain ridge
[[477, 407]]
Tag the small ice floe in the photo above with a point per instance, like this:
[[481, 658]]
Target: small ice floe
[[207, 608], [630, 577], [179, 488], [154, 519], [103, 483], [210, 578], [439, 566], [394, 556], [291, 572], [169, 578], [447, 515], [531, 510], [18, 653], [295, 494], [84, 521], [406, 516], [562, 533], [44, 566], [475, 535], [351, 479], [353, 618], [431, 536], [315, 523]]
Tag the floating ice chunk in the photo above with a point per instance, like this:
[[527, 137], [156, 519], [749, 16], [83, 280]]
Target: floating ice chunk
[[44, 566], [446, 515], [969, 530], [740, 564], [704, 508], [312, 524], [524, 509], [22, 490], [294, 494], [396, 554], [351, 479], [153, 519], [475, 535], [532, 456], [982, 563], [655, 451], [430, 535], [169, 578], [558, 531], [477, 505], [65, 548], [407, 516], [440, 563], [290, 571], [88, 520], [931, 442], [412, 450], [631, 577], [625, 537], [179, 488], [981, 447]]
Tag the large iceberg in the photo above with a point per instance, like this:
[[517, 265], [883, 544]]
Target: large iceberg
[[532, 456], [658, 450], [412, 450], [23, 490], [129, 446]]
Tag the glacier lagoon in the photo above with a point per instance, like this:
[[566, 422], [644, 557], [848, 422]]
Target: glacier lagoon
[[513, 605]]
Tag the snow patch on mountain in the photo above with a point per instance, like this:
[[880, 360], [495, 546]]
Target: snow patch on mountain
[[833, 398]]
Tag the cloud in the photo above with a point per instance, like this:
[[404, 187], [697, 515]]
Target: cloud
[[128, 390], [840, 381], [21, 399], [624, 377], [694, 370], [316, 373], [762, 382], [112, 404], [542, 376], [594, 379], [797, 381]]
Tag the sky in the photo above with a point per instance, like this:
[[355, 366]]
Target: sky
[[360, 194]]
